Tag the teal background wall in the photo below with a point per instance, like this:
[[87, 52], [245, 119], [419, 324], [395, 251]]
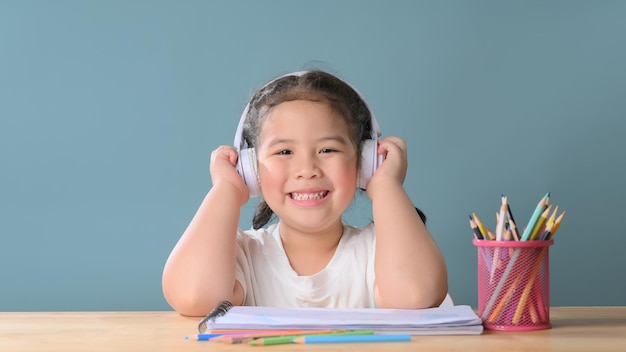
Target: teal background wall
[[110, 109]]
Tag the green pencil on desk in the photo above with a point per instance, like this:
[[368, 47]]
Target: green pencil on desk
[[281, 340]]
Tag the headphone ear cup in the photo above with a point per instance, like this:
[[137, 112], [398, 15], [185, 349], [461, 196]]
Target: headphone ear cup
[[370, 161], [248, 170]]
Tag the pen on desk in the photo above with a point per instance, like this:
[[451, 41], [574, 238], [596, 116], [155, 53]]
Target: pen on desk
[[218, 311], [353, 339]]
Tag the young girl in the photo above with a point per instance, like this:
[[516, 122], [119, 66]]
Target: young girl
[[305, 133]]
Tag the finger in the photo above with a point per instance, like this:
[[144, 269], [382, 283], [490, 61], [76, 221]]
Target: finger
[[225, 152], [391, 144]]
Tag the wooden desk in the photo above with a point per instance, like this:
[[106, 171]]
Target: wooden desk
[[574, 329]]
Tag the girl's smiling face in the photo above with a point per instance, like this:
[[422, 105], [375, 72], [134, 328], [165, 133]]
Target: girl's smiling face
[[307, 164]]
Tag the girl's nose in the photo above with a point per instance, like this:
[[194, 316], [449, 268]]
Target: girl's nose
[[307, 166]]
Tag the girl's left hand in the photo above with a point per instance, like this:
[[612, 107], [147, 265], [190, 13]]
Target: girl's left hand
[[393, 169]]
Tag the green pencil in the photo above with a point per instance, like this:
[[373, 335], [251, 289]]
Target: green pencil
[[281, 340], [543, 203]]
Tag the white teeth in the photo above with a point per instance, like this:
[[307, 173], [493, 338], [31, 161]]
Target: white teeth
[[308, 196]]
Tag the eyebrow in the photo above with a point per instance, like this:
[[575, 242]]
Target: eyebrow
[[336, 138]]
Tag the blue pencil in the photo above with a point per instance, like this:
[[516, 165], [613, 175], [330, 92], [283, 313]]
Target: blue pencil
[[203, 337], [353, 338]]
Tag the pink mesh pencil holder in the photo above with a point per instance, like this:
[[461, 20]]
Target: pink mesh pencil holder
[[514, 284]]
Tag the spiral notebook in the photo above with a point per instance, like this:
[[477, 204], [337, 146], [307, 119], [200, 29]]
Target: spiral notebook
[[454, 320]]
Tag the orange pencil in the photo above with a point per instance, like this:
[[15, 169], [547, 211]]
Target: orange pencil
[[244, 338]]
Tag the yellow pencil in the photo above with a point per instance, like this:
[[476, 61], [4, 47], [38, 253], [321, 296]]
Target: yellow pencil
[[549, 224], [481, 227], [521, 305], [554, 212], [557, 223], [547, 233]]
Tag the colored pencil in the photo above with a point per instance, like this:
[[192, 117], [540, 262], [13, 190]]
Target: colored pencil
[[536, 214], [549, 224], [534, 235], [481, 226], [202, 337], [353, 339], [501, 219], [498, 309], [243, 338], [281, 340], [547, 231], [557, 224], [521, 305], [496, 292], [475, 229], [513, 228], [511, 220]]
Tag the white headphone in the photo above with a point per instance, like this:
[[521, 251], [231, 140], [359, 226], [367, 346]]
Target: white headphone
[[247, 165]]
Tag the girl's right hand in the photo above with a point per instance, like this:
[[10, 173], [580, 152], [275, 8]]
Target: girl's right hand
[[224, 172]]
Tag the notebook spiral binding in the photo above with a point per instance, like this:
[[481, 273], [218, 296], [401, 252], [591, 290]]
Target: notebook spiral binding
[[218, 311]]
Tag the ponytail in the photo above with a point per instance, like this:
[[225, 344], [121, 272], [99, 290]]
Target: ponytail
[[262, 215]]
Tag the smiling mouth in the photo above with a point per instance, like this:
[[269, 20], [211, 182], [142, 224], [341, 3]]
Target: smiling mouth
[[308, 196]]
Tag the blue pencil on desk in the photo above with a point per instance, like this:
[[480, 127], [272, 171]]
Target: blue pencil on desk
[[203, 337], [353, 338]]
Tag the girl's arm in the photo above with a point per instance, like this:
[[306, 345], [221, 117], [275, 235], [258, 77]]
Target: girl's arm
[[409, 267], [200, 271]]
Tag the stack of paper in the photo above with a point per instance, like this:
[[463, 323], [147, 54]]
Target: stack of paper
[[455, 320]]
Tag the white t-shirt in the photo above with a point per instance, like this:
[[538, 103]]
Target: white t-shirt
[[268, 279]]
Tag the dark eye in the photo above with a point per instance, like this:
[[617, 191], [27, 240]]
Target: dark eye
[[284, 152], [327, 150]]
